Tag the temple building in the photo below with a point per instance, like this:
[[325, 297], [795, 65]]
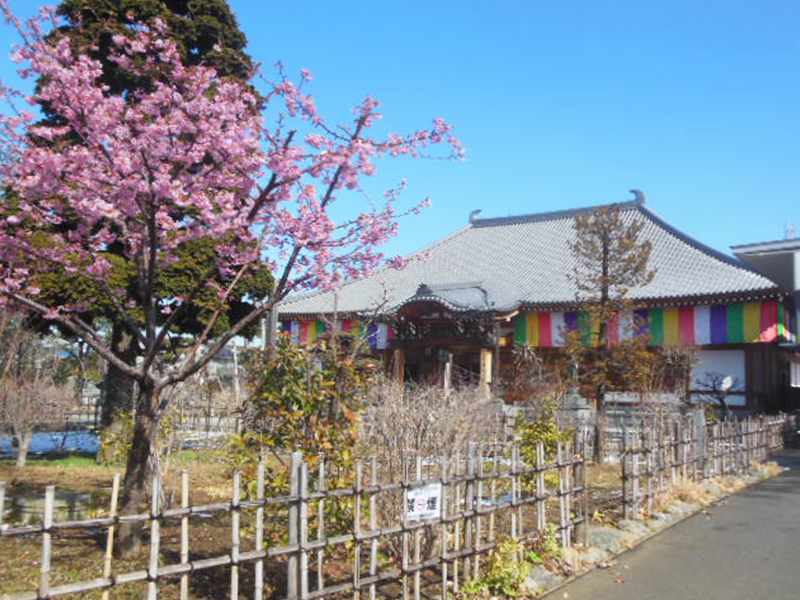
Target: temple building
[[504, 282]]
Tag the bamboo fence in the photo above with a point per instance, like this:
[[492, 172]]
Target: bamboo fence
[[334, 541], [656, 459]]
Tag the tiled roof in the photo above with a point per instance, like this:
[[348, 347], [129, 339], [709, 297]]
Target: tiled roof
[[525, 261]]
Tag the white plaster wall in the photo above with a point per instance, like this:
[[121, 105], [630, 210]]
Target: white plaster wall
[[729, 363]]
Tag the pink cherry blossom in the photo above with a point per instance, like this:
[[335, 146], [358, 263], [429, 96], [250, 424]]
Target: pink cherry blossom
[[195, 156]]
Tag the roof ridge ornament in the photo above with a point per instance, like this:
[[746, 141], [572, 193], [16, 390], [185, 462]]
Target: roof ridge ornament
[[638, 196], [473, 216]]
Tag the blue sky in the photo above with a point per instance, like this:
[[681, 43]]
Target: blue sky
[[565, 104]]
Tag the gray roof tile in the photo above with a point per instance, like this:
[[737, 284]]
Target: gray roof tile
[[526, 260]]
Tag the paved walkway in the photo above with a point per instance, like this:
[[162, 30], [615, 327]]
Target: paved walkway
[[746, 548]]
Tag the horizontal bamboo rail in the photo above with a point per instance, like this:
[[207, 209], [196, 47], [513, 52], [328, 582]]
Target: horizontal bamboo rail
[[483, 493]]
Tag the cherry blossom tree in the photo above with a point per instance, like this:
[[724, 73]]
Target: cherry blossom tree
[[193, 156]]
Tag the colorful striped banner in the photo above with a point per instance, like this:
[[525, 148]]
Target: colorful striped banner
[[741, 323], [307, 332]]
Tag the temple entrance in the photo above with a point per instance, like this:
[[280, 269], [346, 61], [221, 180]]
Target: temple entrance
[[438, 345]]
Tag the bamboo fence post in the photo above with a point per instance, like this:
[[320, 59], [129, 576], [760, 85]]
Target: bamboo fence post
[[303, 533], [259, 567], [493, 493], [321, 487], [636, 487], [686, 433], [647, 444], [748, 427], [292, 577], [456, 472], [568, 473], [357, 532], [514, 495], [443, 529], [110, 535], [626, 498], [155, 540], [235, 534], [469, 508], [562, 504], [581, 533], [478, 524], [184, 533], [373, 526], [44, 569], [405, 542], [676, 454], [541, 489], [519, 469], [417, 534], [2, 501]]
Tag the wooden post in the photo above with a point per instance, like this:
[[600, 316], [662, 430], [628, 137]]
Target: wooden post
[[486, 373], [399, 365], [110, 535], [44, 570], [235, 534], [259, 568], [155, 541]]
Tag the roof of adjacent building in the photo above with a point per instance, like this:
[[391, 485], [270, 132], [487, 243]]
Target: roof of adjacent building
[[502, 264], [774, 247]]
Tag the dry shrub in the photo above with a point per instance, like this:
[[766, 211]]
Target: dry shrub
[[770, 469], [693, 492], [401, 423]]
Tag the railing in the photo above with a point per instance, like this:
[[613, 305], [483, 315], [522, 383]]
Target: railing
[[657, 459], [427, 528]]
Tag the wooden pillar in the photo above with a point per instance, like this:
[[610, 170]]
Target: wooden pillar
[[486, 372], [399, 365]]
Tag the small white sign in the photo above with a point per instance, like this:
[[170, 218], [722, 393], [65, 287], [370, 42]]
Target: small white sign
[[424, 502]]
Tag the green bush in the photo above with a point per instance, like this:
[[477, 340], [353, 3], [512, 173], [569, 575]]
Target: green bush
[[505, 574]]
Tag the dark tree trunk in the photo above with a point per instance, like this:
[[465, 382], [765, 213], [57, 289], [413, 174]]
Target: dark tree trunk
[[118, 387], [599, 432], [139, 467]]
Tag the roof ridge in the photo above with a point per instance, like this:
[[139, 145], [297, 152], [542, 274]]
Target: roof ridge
[[555, 214]]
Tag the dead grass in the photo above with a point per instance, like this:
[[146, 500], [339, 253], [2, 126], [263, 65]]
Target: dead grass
[[693, 492], [209, 475]]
